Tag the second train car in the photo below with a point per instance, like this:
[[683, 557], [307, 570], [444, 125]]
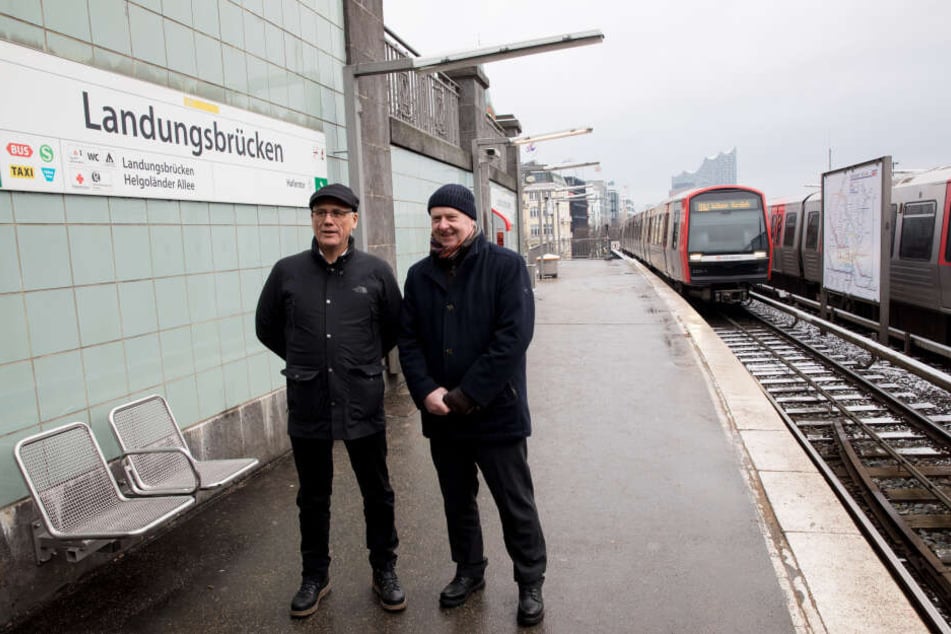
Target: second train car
[[711, 243]]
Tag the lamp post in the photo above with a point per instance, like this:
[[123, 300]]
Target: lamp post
[[555, 168], [441, 63]]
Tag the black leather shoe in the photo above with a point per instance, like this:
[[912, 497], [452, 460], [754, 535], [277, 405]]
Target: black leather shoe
[[307, 599], [386, 585], [459, 590], [531, 607]]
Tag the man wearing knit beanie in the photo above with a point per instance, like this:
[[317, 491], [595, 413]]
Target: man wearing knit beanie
[[457, 213], [467, 319]]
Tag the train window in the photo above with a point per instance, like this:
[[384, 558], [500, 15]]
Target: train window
[[891, 243], [917, 231], [789, 231], [731, 221], [663, 234], [947, 248], [812, 230]]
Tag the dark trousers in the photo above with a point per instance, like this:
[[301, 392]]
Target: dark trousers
[[505, 470], [315, 469]]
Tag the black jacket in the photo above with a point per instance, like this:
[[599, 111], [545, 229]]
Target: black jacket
[[470, 328], [332, 324]]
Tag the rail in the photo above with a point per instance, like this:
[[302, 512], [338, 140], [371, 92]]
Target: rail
[[905, 337], [813, 395], [926, 372]]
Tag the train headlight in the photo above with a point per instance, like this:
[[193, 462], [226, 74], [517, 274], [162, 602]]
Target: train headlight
[[696, 257], [759, 254]]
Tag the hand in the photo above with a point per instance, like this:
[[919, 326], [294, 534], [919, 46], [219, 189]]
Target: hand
[[434, 403], [458, 402]]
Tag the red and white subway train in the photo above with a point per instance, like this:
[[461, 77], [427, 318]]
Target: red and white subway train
[[920, 254], [711, 243]]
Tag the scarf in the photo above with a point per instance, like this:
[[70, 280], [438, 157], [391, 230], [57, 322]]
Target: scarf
[[443, 253]]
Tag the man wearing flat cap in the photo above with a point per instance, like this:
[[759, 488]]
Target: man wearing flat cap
[[332, 313], [468, 316]]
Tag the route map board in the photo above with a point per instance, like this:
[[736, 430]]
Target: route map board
[[852, 211]]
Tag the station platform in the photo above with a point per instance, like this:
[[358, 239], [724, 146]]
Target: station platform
[[671, 495]]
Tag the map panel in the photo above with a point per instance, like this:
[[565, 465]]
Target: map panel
[[852, 223]]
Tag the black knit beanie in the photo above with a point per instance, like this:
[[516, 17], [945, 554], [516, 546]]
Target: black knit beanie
[[456, 196]]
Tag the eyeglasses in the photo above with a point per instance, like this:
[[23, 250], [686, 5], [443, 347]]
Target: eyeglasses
[[336, 214]]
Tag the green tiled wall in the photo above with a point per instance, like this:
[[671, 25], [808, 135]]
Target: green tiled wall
[[98, 313], [103, 300]]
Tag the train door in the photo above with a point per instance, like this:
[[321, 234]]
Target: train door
[[776, 213], [811, 256], [655, 247], [674, 261], [914, 264], [788, 255], [944, 263]]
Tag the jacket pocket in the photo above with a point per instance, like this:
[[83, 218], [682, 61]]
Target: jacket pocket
[[306, 394], [507, 396], [366, 391]]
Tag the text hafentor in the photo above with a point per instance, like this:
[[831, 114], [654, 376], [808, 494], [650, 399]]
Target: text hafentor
[[198, 138]]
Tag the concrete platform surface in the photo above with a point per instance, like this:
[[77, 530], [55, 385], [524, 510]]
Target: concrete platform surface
[[671, 499]]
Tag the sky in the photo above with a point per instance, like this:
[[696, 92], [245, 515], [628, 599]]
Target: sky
[[788, 84]]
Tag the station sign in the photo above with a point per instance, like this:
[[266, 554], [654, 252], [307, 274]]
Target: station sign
[[70, 128]]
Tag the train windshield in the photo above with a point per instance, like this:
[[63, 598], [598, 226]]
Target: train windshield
[[727, 222]]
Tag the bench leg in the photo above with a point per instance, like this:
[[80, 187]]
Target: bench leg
[[45, 546]]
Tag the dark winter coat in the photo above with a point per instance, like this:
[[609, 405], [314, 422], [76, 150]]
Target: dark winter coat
[[332, 324], [470, 327]]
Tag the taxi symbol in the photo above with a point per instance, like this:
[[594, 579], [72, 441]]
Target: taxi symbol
[[21, 171]]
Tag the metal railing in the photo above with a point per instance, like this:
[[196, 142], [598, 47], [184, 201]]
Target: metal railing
[[581, 248], [590, 248], [429, 102]]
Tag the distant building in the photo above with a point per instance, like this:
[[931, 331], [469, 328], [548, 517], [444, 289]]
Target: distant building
[[613, 205], [627, 208], [579, 206], [545, 209], [598, 213], [715, 170]]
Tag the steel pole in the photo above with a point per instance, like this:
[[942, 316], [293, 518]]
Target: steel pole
[[355, 150]]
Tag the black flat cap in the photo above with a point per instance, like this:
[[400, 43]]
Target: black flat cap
[[338, 192]]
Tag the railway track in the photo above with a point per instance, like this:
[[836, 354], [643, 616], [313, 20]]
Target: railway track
[[879, 436]]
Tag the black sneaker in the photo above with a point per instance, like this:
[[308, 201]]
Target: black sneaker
[[387, 586], [531, 607], [307, 599], [459, 589]]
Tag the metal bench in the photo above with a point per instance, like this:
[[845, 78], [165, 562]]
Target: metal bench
[[148, 423], [80, 505]]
